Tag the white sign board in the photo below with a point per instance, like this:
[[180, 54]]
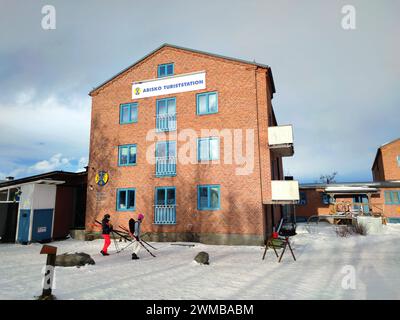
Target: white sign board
[[42, 229], [169, 85]]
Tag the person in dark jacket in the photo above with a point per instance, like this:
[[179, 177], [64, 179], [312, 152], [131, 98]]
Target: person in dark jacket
[[106, 230]]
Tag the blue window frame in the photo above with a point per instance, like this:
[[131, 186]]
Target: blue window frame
[[166, 114], [166, 158], [165, 205], [126, 199], [127, 155], [207, 149], [165, 196], [392, 197], [207, 103], [326, 199], [208, 197], [165, 70], [128, 113], [303, 198]]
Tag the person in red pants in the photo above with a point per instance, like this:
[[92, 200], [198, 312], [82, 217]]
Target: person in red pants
[[106, 230]]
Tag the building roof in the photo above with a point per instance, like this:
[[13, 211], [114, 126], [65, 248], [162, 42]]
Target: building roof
[[53, 175], [351, 185], [351, 189], [191, 50], [379, 150]]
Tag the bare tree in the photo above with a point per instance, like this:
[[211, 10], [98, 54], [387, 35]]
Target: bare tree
[[328, 178]]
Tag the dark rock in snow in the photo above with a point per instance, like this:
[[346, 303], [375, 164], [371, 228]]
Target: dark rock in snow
[[202, 258], [73, 259]]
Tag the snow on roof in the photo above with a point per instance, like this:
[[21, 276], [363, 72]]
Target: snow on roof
[[350, 189]]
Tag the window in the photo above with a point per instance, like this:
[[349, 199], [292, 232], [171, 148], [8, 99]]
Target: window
[[128, 113], [126, 199], [165, 70], [398, 160], [303, 198], [166, 158], [326, 199], [207, 149], [207, 103], [392, 197], [166, 114], [165, 196], [208, 197], [165, 205], [165, 149], [127, 155]]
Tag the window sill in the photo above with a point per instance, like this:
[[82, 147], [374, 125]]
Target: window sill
[[205, 114], [122, 123], [164, 224]]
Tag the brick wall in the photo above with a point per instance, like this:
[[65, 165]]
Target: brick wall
[[243, 97], [315, 206], [386, 166]]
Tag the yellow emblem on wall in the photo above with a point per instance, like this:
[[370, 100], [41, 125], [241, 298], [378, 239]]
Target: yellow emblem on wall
[[137, 91], [101, 178]]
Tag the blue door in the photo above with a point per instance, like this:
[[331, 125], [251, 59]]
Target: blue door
[[365, 206], [23, 225], [357, 200], [42, 223]]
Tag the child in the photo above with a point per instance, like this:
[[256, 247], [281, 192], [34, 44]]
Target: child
[[106, 230]]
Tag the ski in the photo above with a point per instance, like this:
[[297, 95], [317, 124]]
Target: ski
[[125, 229], [123, 236]]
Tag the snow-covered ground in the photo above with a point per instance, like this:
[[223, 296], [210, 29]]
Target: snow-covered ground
[[324, 263]]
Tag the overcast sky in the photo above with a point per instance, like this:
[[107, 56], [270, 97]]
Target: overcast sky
[[339, 88]]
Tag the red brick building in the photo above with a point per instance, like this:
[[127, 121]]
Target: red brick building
[[370, 198], [382, 196], [386, 165], [148, 118]]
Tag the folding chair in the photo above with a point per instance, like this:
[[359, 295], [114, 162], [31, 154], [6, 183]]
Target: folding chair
[[280, 240]]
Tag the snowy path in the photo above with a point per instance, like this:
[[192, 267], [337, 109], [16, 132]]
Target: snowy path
[[235, 272]]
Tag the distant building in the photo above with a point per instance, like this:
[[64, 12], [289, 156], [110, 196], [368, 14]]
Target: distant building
[[380, 197], [386, 166], [43, 207], [369, 198]]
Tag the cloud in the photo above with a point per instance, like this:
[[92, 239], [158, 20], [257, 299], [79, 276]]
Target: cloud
[[338, 88], [82, 163], [55, 162], [34, 133]]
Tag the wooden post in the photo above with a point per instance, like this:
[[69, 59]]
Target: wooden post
[[49, 272]]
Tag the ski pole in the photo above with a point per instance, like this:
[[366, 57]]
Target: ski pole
[[115, 243], [149, 245], [152, 254], [123, 228], [127, 246]]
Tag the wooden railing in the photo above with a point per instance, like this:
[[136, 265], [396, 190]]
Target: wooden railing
[[357, 207]]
